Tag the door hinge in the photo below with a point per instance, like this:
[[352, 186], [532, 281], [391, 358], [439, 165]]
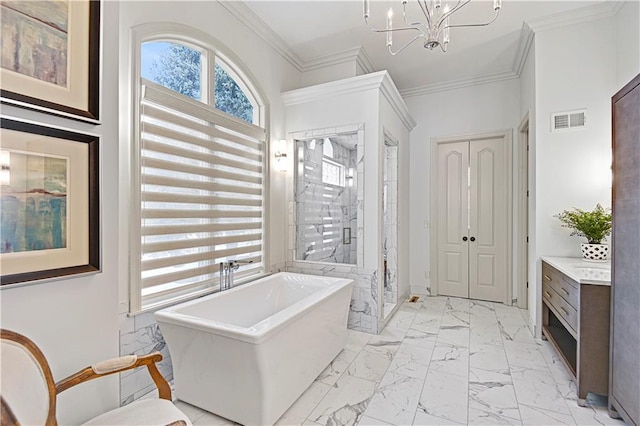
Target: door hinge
[[527, 192], [527, 284], [527, 147], [527, 239]]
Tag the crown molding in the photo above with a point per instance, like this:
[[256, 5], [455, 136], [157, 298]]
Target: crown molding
[[340, 87], [458, 84], [332, 59], [365, 62], [380, 80], [391, 94], [524, 46], [252, 21], [575, 16]]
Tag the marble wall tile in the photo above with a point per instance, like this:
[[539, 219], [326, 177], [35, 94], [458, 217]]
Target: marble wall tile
[[322, 210], [144, 340]]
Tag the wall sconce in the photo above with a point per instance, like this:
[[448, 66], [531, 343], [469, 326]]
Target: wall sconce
[[5, 167], [280, 156], [349, 177]]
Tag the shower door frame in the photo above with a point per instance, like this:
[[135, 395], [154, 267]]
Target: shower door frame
[[357, 129]]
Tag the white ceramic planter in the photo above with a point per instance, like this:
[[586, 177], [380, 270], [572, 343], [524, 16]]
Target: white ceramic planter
[[594, 251]]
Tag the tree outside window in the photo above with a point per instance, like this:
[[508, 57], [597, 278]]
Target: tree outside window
[[179, 67]]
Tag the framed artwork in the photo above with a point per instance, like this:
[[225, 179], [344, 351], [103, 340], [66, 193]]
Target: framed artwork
[[50, 56], [49, 202]]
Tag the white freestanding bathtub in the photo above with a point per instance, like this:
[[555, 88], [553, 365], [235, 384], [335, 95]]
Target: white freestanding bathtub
[[248, 353]]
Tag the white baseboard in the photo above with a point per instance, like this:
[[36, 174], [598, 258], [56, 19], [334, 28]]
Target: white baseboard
[[420, 289]]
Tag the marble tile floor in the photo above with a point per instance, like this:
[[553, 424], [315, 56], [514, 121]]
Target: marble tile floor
[[441, 361]]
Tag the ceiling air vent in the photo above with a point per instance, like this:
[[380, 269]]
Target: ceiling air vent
[[568, 120]]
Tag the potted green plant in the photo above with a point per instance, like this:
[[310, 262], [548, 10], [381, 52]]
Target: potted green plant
[[594, 225]]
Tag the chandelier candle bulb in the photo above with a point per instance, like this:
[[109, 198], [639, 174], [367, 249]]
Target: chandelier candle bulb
[[445, 35], [389, 27], [434, 28]]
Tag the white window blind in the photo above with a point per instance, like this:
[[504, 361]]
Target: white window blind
[[201, 195]]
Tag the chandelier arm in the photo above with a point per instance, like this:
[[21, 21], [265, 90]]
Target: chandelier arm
[[454, 9], [404, 16], [407, 43], [425, 11], [375, 30], [475, 25]]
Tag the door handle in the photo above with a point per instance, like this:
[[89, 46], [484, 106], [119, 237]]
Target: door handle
[[464, 238], [472, 238]]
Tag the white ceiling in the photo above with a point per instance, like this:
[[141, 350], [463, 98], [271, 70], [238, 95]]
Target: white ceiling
[[313, 29]]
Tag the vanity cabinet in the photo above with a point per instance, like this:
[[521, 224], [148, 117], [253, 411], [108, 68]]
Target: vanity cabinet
[[575, 319]]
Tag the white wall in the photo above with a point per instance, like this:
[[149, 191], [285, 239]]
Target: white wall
[[627, 42], [338, 111], [573, 70], [528, 106], [328, 73], [75, 321], [390, 122], [474, 109]]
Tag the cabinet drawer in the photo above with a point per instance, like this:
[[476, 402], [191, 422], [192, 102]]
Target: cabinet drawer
[[564, 309], [567, 289]]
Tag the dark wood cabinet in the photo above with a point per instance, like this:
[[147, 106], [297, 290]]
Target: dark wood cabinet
[[575, 319], [624, 397]]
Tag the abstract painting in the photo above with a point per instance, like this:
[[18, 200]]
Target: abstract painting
[[34, 202], [34, 35], [49, 202], [50, 56]]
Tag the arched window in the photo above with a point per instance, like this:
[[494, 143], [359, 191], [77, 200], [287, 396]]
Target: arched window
[[182, 68], [198, 167]]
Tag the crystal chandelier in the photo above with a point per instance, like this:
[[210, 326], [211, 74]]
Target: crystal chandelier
[[435, 25]]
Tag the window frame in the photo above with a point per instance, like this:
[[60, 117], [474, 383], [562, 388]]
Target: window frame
[[131, 177]]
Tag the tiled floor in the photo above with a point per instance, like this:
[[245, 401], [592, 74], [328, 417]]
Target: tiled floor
[[441, 361]]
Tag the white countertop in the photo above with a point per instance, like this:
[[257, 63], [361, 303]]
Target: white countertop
[[582, 271]]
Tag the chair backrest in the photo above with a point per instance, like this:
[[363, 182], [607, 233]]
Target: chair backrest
[[26, 384]]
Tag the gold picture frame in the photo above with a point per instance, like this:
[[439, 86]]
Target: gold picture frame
[[51, 56], [49, 202]]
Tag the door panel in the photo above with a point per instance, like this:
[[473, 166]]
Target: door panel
[[488, 220], [453, 258]]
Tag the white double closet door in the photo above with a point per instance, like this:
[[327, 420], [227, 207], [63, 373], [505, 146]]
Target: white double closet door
[[472, 219]]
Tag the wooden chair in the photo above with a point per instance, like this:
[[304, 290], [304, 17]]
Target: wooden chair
[[28, 391]]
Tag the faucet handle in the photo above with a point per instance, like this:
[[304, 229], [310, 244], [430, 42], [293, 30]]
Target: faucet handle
[[235, 264]]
